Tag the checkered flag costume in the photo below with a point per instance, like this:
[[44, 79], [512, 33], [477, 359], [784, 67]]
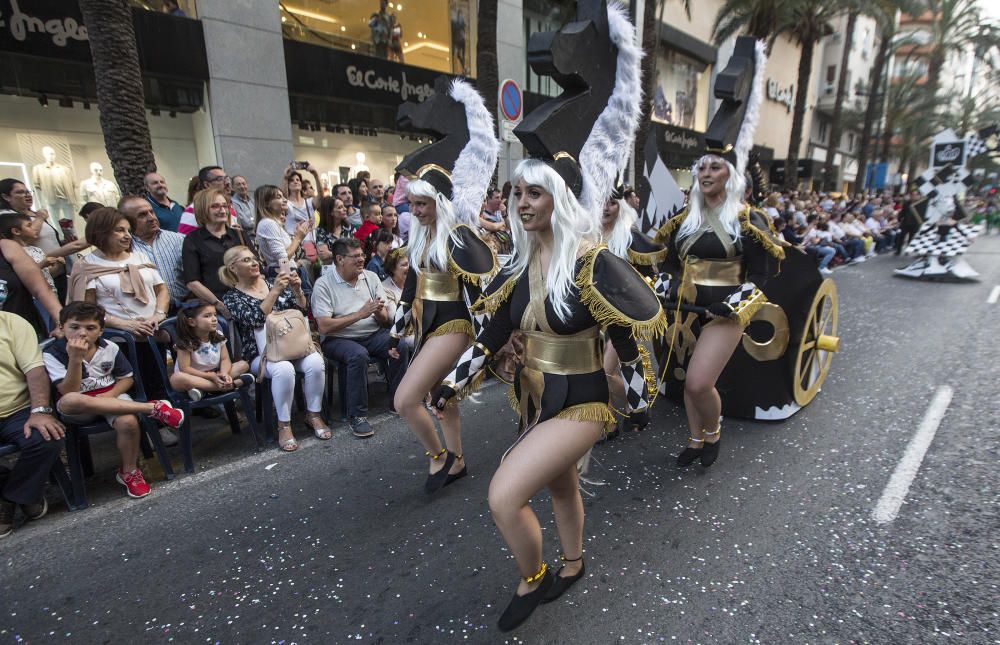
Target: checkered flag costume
[[469, 372], [661, 286], [977, 143], [634, 375], [929, 240], [402, 319]]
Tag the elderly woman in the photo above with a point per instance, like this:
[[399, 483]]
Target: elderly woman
[[250, 299], [201, 255], [275, 244]]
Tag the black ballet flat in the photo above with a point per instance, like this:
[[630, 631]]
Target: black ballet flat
[[438, 480], [710, 453], [452, 478], [521, 607], [561, 585]]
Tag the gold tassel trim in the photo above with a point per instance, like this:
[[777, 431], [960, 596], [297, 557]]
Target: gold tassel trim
[[765, 240], [458, 326], [748, 308], [663, 235], [491, 302], [589, 413], [647, 259], [515, 404], [473, 385], [647, 369], [605, 313], [471, 278]]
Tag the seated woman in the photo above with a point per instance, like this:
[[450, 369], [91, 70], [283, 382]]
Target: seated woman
[[203, 249], [275, 244], [25, 281], [333, 225], [397, 266], [250, 299]]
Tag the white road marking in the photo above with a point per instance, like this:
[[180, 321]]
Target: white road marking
[[994, 295], [906, 470]]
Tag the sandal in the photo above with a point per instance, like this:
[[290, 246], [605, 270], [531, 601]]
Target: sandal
[[323, 432], [288, 445]]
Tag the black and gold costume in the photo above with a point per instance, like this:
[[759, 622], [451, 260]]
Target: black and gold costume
[[434, 301], [709, 269], [562, 374], [646, 254]]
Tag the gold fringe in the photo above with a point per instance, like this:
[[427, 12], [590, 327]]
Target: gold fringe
[[490, 303], [663, 235], [748, 308], [459, 272], [765, 240], [647, 368], [589, 412], [647, 259], [512, 399], [604, 312], [458, 326]]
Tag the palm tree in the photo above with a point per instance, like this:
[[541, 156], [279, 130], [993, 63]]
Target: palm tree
[[806, 22], [829, 179], [757, 18], [652, 16], [487, 74], [957, 26], [119, 90]]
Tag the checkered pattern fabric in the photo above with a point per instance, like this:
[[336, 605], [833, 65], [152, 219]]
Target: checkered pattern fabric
[[469, 365], [662, 285], [946, 182], [975, 146], [401, 320], [635, 385], [928, 240], [745, 292], [480, 322]]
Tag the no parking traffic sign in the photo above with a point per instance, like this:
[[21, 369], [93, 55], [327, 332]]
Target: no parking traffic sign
[[511, 104]]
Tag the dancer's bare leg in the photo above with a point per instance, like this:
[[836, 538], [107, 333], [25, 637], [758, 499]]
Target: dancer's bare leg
[[713, 350], [543, 457], [432, 363], [567, 506]]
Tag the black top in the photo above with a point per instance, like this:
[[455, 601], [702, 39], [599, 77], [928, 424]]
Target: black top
[[19, 299], [201, 257]]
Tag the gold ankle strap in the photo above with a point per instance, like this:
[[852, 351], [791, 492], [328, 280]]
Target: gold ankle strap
[[437, 456], [538, 576], [459, 456], [712, 434], [696, 440]]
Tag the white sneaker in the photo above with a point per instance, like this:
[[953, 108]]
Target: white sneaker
[[195, 394], [169, 437], [825, 271], [858, 260]]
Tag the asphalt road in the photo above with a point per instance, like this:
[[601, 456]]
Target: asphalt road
[[774, 544]]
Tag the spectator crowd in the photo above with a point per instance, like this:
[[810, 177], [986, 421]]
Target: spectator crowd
[[240, 288]]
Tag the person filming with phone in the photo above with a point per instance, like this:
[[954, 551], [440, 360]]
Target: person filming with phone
[[349, 305]]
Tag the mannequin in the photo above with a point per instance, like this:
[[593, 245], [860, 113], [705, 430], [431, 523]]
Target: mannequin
[[53, 183], [98, 189], [360, 166]]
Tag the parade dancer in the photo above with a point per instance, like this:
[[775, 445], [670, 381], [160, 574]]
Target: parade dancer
[[560, 288], [623, 237], [720, 252], [448, 261]]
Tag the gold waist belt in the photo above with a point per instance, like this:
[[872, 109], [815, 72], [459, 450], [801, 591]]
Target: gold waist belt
[[554, 354], [438, 285], [715, 273]]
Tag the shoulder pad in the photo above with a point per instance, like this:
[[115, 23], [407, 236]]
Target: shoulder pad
[[497, 291], [615, 294], [755, 224], [663, 235], [473, 258], [644, 250]]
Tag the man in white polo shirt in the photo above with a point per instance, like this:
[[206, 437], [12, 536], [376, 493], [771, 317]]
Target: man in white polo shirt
[[349, 306]]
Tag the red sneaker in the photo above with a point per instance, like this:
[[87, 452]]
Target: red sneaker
[[134, 483], [167, 414]]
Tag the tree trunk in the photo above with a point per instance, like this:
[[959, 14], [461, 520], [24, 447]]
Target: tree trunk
[[830, 180], [876, 99], [649, 40], [890, 125], [487, 74], [798, 116], [120, 99]]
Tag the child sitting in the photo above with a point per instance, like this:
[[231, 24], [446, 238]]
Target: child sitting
[[203, 363], [20, 228], [92, 379]]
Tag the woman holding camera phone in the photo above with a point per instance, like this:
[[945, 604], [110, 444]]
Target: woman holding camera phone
[[274, 242]]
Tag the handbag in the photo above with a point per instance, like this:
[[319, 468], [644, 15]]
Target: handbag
[[287, 338]]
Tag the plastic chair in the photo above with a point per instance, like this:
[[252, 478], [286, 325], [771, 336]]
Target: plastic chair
[[81, 462], [182, 401], [342, 381]]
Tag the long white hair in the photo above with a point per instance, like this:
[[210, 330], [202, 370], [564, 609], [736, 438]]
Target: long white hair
[[620, 238], [736, 187], [570, 226], [431, 241]]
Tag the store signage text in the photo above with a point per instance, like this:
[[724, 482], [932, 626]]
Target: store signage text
[[948, 153], [62, 30], [680, 139], [389, 83], [783, 95]]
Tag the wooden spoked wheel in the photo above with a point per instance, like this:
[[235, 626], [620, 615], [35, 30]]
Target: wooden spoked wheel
[[818, 345]]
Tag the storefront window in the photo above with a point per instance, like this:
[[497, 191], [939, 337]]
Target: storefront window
[[434, 34], [682, 91], [182, 8]]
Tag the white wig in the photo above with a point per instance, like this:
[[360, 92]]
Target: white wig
[[620, 238], [430, 243], [570, 226], [736, 187]]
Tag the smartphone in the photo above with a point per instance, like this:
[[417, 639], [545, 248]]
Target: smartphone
[[284, 266], [300, 165]]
